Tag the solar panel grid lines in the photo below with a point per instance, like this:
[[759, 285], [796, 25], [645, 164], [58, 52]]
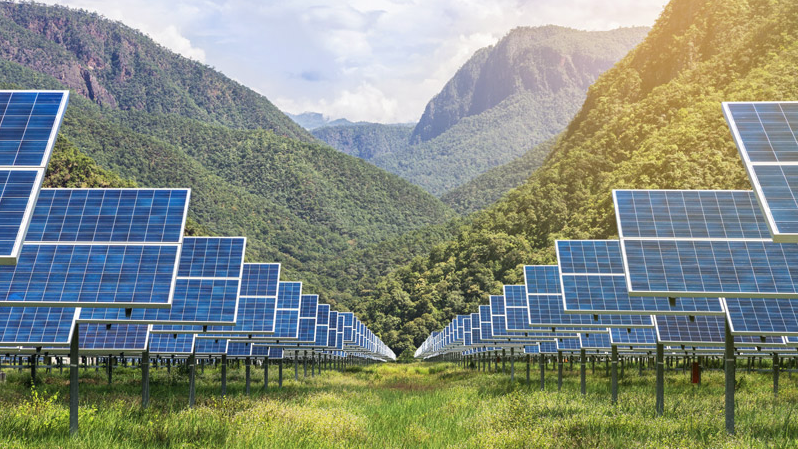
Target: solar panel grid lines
[[116, 338], [172, 344], [593, 282], [548, 311], [206, 346], [762, 316], [569, 344], [533, 349], [238, 349], [547, 347], [730, 262], [764, 133], [595, 340], [29, 124], [633, 336], [37, 326]]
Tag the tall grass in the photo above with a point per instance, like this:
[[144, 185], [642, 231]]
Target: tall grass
[[396, 406]]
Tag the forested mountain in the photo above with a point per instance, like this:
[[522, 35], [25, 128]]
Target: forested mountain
[[171, 122], [502, 103], [652, 121], [313, 120]]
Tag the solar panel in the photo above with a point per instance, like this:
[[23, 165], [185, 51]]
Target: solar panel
[[547, 347], [29, 123], [239, 349], [206, 289], [119, 270], [114, 338], [595, 340], [36, 326], [548, 311], [791, 341], [634, 337], [593, 281], [286, 321], [204, 346], [703, 331], [569, 344], [171, 344], [765, 136], [532, 349], [322, 326], [718, 253], [762, 316]]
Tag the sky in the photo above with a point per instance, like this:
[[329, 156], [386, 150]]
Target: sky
[[364, 60]]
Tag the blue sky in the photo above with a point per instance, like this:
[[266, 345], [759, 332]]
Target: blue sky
[[373, 60]]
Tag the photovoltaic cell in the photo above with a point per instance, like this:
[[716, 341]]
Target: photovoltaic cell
[[671, 261], [703, 331], [117, 338], [595, 340], [18, 189], [569, 344], [548, 347], [762, 316], [595, 283], [636, 337], [765, 136], [205, 346], [172, 344], [548, 311], [212, 257], [260, 279], [36, 326], [238, 349], [109, 216]]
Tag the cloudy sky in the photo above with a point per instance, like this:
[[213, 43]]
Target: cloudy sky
[[374, 60]]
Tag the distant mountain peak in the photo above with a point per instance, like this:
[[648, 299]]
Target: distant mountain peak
[[313, 120]]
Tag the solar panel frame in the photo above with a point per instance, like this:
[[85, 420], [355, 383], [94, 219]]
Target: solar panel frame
[[181, 344], [762, 316], [98, 339], [37, 326]]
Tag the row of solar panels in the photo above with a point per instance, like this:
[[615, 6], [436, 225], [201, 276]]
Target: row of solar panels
[[114, 264], [686, 263]]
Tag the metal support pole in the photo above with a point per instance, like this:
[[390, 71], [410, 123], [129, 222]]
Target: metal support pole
[[224, 374], [74, 356], [312, 365], [248, 363], [109, 368], [512, 364], [542, 372], [527, 370], [266, 373], [660, 405], [776, 374], [730, 382], [145, 379], [192, 373], [504, 355], [305, 363], [559, 370], [33, 360], [614, 374], [582, 369], [296, 365], [280, 373]]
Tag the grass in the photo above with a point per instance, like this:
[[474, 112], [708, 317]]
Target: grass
[[436, 405]]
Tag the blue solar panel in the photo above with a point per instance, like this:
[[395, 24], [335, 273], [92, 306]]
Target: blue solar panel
[[762, 316], [212, 257], [534, 349], [595, 340], [206, 345], [588, 291], [109, 215], [714, 266], [36, 326], [171, 344], [636, 337], [569, 344], [791, 340], [17, 190], [706, 331], [29, 122], [117, 338], [548, 311], [260, 279], [239, 349], [307, 318], [90, 276], [765, 136], [542, 279]]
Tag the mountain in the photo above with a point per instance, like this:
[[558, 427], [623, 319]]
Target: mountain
[[653, 121], [501, 103], [313, 120], [156, 119], [367, 141]]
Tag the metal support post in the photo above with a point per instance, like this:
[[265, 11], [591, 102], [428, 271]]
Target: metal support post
[[192, 385], [660, 392], [614, 374], [582, 373], [559, 370], [730, 381], [145, 379], [542, 372], [248, 364], [512, 364], [74, 356]]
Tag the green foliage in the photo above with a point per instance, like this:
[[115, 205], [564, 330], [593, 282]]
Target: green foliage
[[653, 121], [396, 405], [69, 167]]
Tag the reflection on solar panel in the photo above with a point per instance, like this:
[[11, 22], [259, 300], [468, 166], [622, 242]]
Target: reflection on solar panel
[[205, 345], [595, 340], [118, 270], [286, 321], [206, 290], [114, 338], [29, 122], [171, 344], [791, 341], [307, 318], [260, 279], [636, 337], [765, 136], [548, 347], [762, 316], [36, 326], [593, 281], [569, 344], [532, 349], [658, 231], [238, 349]]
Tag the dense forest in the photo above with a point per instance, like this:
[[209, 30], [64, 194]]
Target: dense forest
[[652, 121], [298, 201], [501, 104]]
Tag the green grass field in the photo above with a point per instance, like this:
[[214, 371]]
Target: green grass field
[[395, 406]]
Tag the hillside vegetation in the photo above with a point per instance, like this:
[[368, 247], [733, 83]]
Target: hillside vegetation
[[652, 121], [298, 201], [503, 102]]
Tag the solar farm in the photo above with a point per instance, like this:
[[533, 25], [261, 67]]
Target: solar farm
[[92, 277], [705, 278]]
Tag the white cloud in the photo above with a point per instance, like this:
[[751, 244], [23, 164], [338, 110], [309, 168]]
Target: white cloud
[[376, 60]]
